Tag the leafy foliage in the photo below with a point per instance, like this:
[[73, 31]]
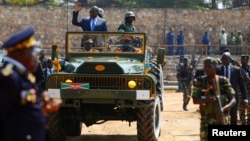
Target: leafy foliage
[[22, 2], [192, 4]]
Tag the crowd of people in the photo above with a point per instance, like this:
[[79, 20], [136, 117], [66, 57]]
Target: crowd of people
[[175, 44]]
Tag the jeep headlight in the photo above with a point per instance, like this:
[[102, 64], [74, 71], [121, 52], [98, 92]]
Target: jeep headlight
[[68, 81], [147, 84], [131, 84]]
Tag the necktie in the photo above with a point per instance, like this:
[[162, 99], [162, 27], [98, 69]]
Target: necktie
[[93, 24], [226, 72], [50, 71]]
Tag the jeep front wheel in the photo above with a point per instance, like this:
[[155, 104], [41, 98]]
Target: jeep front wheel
[[54, 128], [149, 121]]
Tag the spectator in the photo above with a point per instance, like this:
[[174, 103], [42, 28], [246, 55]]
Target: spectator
[[239, 43], [43, 59], [49, 70], [40, 78], [180, 43], [170, 42], [222, 40], [232, 42], [206, 41], [231, 39]]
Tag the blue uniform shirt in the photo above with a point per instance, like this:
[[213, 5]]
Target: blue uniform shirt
[[206, 39], [170, 38], [21, 118], [180, 39]]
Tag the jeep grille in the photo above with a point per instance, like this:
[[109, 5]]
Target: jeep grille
[[100, 81]]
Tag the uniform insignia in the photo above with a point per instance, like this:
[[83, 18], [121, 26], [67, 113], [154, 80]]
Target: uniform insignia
[[7, 70], [28, 96], [31, 78]]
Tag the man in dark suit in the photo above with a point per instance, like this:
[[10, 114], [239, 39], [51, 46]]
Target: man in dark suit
[[233, 73], [92, 23]]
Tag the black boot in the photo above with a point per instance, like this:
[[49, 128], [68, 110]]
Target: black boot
[[185, 107], [233, 121]]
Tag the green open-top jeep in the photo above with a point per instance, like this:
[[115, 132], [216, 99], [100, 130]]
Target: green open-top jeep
[[107, 76]]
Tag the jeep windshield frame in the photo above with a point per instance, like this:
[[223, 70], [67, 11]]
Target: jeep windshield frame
[[117, 44]]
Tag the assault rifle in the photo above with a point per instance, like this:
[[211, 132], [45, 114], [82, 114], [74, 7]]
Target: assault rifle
[[219, 112], [191, 72]]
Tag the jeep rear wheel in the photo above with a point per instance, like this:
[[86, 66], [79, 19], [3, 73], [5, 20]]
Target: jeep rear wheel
[[149, 121]]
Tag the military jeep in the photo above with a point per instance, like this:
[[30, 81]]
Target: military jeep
[[107, 76]]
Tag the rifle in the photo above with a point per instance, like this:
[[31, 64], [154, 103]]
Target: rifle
[[191, 72], [219, 112]]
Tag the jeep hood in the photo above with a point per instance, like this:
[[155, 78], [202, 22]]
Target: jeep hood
[[107, 65]]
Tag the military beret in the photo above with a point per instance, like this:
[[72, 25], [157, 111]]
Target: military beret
[[244, 57], [210, 60], [20, 40], [89, 41]]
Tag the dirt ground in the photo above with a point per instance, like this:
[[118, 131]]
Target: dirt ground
[[177, 125]]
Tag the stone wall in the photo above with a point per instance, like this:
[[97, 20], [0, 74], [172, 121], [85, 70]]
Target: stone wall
[[52, 23]]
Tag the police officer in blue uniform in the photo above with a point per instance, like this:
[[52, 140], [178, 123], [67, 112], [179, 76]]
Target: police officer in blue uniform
[[21, 113]]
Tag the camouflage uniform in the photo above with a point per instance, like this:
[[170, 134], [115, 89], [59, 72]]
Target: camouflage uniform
[[185, 74], [126, 26], [248, 38], [239, 42], [231, 39], [232, 42], [208, 110], [245, 113]]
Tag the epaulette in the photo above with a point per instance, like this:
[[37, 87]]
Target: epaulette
[[7, 70]]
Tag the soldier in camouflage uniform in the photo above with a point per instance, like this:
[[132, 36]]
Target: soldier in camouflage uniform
[[231, 39], [184, 75], [203, 93], [231, 42], [239, 42], [243, 112], [127, 26], [248, 38]]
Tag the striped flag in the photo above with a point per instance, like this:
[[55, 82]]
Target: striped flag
[[74, 85]]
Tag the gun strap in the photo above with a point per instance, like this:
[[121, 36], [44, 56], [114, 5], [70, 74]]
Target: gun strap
[[217, 84]]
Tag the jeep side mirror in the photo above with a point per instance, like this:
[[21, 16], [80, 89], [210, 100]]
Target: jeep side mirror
[[161, 56]]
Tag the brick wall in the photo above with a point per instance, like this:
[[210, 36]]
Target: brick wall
[[52, 23]]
